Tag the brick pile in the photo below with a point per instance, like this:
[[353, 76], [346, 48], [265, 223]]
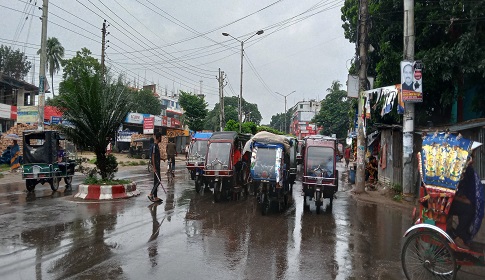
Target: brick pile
[[17, 129], [161, 145]]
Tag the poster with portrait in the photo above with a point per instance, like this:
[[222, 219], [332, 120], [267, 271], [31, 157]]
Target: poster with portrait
[[411, 82]]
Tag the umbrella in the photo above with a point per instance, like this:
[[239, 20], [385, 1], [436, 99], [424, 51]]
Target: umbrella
[[12, 136]]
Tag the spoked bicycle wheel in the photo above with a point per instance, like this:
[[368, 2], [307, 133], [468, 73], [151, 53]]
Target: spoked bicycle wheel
[[427, 255]]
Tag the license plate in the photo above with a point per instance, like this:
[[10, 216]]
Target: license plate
[[36, 170]]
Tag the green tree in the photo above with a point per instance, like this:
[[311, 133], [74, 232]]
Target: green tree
[[249, 127], [79, 66], [95, 109], [450, 40], [333, 107], [232, 125], [231, 112], [13, 63], [195, 110], [55, 53], [278, 120], [144, 101]]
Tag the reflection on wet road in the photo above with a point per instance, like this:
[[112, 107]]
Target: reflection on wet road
[[188, 236]]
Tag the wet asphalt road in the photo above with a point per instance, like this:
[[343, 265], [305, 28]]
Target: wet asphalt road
[[52, 236]]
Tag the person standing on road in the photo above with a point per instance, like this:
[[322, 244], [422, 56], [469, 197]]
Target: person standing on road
[[155, 159], [15, 156], [347, 156], [171, 150]]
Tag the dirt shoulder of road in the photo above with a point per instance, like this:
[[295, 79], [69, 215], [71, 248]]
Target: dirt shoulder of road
[[379, 194], [383, 195]]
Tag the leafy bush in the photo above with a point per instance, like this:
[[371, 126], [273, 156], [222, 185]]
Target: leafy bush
[[397, 188], [111, 166], [93, 180]]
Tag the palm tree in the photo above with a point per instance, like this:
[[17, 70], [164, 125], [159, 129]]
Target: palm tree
[[95, 109], [55, 53]]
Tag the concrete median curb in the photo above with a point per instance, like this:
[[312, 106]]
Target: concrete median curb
[[107, 192]]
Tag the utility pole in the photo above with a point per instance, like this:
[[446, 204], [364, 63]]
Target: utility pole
[[220, 100], [408, 118], [285, 96], [43, 59], [103, 47], [362, 64], [240, 89]]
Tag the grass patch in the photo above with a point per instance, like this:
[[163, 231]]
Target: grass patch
[[4, 167], [397, 189], [1, 175], [91, 180]]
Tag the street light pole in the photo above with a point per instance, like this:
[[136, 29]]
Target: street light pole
[[285, 104], [241, 83], [240, 87]]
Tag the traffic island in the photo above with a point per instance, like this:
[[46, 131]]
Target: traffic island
[[107, 192]]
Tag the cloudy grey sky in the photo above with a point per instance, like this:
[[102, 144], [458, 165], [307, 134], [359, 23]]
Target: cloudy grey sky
[[177, 44]]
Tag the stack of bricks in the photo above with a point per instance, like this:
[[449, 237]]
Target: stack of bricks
[[16, 129]]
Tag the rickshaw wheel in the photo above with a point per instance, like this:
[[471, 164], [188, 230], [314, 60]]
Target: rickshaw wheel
[[54, 182], [305, 206], [427, 254], [217, 192], [68, 181], [30, 185], [143, 156], [198, 183], [264, 204]]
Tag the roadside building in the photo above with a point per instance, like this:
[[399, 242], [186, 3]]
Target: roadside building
[[14, 94], [301, 125]]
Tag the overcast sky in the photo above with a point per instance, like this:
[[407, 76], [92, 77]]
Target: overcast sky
[[177, 44]]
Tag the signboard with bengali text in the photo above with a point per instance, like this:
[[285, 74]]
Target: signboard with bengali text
[[148, 125], [27, 114]]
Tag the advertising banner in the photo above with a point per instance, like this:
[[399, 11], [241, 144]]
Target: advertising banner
[[125, 136], [27, 114], [164, 121], [148, 125], [135, 118], [411, 81], [158, 121], [56, 120], [169, 122], [175, 122], [5, 111]]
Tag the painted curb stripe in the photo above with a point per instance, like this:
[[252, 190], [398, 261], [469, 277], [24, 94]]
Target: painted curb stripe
[[107, 192]]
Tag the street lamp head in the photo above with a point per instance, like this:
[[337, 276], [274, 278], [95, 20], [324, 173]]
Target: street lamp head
[[260, 32], [225, 34]]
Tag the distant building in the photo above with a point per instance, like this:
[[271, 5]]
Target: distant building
[[304, 111], [15, 94]]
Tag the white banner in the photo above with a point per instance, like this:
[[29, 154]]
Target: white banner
[[5, 111]]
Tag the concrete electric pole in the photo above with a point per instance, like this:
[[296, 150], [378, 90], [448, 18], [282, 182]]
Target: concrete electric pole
[[221, 98], [362, 64], [43, 59], [408, 118], [103, 47]]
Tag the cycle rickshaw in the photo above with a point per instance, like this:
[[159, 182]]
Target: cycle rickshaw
[[429, 251]]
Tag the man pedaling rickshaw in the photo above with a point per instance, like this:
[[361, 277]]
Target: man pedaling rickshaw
[[468, 205]]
